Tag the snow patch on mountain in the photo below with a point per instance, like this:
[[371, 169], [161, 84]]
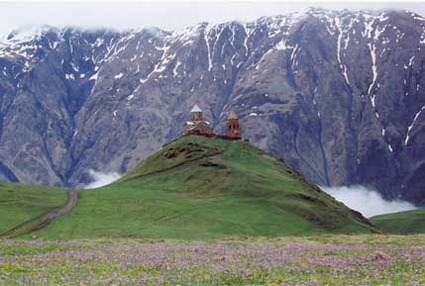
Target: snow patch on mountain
[[25, 34], [410, 127]]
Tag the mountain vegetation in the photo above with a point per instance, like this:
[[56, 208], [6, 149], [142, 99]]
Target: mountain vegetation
[[20, 203], [203, 188], [407, 222]]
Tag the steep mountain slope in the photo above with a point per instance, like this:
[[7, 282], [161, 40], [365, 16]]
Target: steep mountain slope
[[408, 222], [337, 94], [198, 187]]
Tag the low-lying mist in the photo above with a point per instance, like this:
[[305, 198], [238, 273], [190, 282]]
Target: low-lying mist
[[368, 202], [101, 179]]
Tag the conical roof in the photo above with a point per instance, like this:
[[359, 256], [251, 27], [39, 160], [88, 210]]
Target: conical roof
[[196, 109], [232, 115]]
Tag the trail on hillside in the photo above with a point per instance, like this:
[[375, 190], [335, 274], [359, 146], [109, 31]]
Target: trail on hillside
[[43, 220]]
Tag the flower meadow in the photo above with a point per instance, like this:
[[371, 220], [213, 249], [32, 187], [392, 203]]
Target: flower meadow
[[322, 260]]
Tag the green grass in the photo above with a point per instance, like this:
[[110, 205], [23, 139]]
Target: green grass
[[204, 188], [19, 203], [407, 222]]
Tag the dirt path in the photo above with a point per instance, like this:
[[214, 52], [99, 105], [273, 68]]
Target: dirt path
[[43, 220]]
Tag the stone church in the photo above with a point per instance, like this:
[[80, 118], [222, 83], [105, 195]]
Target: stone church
[[197, 125]]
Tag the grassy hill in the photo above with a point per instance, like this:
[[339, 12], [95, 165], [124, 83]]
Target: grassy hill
[[20, 203], [407, 222], [198, 187]]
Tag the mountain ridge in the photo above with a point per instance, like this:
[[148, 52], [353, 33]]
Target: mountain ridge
[[336, 94]]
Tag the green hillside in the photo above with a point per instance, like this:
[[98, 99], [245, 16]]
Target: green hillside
[[198, 187], [20, 203], [408, 222]]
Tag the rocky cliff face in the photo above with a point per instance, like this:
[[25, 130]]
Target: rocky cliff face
[[338, 95]]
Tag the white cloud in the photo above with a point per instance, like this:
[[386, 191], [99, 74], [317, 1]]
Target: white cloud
[[170, 14], [369, 203], [101, 179]]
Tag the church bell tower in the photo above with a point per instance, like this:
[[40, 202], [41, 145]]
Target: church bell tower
[[233, 129]]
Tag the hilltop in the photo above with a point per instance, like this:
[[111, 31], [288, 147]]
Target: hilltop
[[407, 222], [200, 188]]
